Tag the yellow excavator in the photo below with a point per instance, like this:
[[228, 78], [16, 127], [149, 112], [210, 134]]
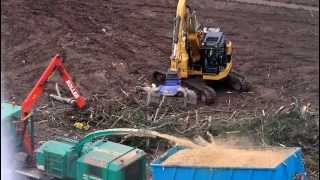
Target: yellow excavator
[[200, 56]]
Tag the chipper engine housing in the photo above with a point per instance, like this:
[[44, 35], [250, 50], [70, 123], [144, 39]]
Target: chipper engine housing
[[103, 160]]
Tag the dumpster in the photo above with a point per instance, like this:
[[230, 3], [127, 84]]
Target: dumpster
[[291, 168]]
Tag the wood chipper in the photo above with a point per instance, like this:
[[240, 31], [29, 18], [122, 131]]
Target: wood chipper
[[66, 158], [91, 159]]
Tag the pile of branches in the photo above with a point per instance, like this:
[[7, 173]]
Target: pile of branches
[[296, 126], [292, 125]]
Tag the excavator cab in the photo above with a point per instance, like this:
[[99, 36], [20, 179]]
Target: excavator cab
[[213, 53]]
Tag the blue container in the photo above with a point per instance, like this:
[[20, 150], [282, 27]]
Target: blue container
[[292, 168]]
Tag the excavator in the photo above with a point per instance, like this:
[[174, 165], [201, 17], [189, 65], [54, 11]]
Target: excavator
[[24, 126], [200, 57]]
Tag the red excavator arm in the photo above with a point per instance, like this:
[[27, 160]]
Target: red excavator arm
[[31, 99]]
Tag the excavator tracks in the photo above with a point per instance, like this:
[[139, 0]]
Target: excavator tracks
[[205, 93], [237, 81]]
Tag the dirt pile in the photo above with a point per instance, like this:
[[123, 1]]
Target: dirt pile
[[221, 156]]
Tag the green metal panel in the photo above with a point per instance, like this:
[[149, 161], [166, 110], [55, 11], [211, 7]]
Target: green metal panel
[[130, 166], [110, 161], [98, 160], [8, 110], [9, 114], [53, 156], [40, 158], [57, 147]]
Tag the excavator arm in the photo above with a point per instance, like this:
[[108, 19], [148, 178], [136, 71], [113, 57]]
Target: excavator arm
[[31, 99], [186, 40], [179, 57]]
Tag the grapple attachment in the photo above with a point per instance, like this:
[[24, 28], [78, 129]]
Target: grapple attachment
[[155, 93]]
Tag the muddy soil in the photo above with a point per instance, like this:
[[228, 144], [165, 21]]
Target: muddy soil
[[113, 45]]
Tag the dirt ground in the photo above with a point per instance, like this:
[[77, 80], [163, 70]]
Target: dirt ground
[[112, 45]]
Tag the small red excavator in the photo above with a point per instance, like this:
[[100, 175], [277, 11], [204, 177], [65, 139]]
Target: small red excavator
[[56, 63]]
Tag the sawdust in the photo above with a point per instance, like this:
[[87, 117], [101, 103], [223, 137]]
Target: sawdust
[[176, 140], [149, 133], [222, 156], [179, 141]]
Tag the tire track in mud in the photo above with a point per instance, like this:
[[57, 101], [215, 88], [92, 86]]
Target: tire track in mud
[[139, 33], [246, 15], [278, 4]]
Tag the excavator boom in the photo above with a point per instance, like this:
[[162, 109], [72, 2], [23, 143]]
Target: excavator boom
[[55, 64], [32, 97], [179, 57]]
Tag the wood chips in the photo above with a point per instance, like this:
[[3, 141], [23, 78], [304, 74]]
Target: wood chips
[[220, 156]]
